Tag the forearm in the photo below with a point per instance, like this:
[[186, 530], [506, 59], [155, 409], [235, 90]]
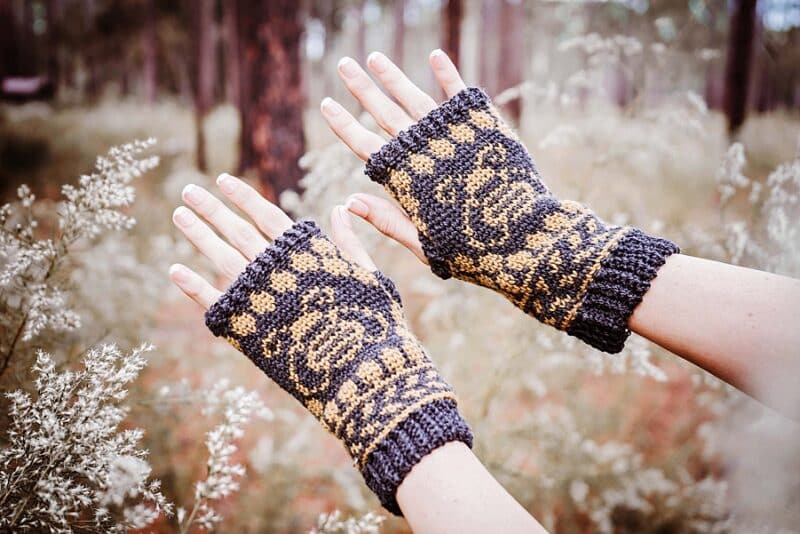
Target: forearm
[[451, 491], [739, 324]]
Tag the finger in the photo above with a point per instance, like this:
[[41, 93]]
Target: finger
[[415, 101], [239, 233], [194, 286], [389, 220], [268, 217], [360, 140], [386, 113], [342, 234], [446, 73], [225, 258]]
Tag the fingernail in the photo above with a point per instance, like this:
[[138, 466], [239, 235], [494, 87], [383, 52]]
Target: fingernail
[[226, 182], [348, 67], [356, 206], [192, 193], [330, 106], [378, 62], [344, 216], [439, 58], [182, 216], [177, 272]]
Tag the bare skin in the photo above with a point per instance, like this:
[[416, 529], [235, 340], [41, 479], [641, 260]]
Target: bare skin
[[739, 324]]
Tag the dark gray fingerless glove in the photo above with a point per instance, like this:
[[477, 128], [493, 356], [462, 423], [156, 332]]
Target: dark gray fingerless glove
[[484, 215], [333, 335]]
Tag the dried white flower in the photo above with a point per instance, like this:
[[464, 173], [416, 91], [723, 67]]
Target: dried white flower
[[237, 406], [769, 238], [333, 523], [67, 458], [94, 204], [35, 298]]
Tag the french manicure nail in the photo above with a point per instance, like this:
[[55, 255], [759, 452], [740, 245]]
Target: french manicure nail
[[192, 193], [378, 62], [226, 183], [330, 106], [438, 57], [348, 67], [182, 216], [354, 205], [178, 273], [344, 216]]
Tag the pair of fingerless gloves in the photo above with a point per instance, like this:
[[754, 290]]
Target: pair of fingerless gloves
[[333, 334]]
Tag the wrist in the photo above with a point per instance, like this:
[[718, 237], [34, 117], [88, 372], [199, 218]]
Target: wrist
[[429, 428], [622, 278]]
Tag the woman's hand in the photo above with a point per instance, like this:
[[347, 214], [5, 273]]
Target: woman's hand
[[413, 104], [243, 240]]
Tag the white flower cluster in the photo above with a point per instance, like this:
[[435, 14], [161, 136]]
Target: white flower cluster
[[768, 237], [601, 50], [67, 463], [94, 205], [237, 406], [333, 523], [33, 297]]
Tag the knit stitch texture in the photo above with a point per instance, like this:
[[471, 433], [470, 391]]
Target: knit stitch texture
[[484, 215], [333, 335]]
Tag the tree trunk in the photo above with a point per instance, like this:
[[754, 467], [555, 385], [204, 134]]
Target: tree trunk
[[28, 64], [739, 60], [398, 32], [272, 138], [54, 16], [8, 51], [203, 19], [149, 52], [512, 51], [714, 87], [488, 67], [91, 56], [230, 18], [454, 13]]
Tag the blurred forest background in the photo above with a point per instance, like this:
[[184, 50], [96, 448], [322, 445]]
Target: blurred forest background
[[678, 116]]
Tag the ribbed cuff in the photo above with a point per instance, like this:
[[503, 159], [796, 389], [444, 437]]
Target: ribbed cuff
[[617, 288], [427, 429], [256, 275], [434, 125]]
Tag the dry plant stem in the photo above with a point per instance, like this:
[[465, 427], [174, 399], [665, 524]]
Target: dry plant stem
[[739, 324], [451, 491], [61, 250], [12, 346], [189, 520]]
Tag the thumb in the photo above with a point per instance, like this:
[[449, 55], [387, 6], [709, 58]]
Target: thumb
[[342, 234]]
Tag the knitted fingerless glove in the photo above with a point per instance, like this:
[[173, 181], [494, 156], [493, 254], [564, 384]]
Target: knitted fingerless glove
[[333, 335], [484, 215]]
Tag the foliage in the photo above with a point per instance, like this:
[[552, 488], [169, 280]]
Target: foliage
[[769, 236], [68, 464], [34, 271], [237, 405], [332, 523]]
